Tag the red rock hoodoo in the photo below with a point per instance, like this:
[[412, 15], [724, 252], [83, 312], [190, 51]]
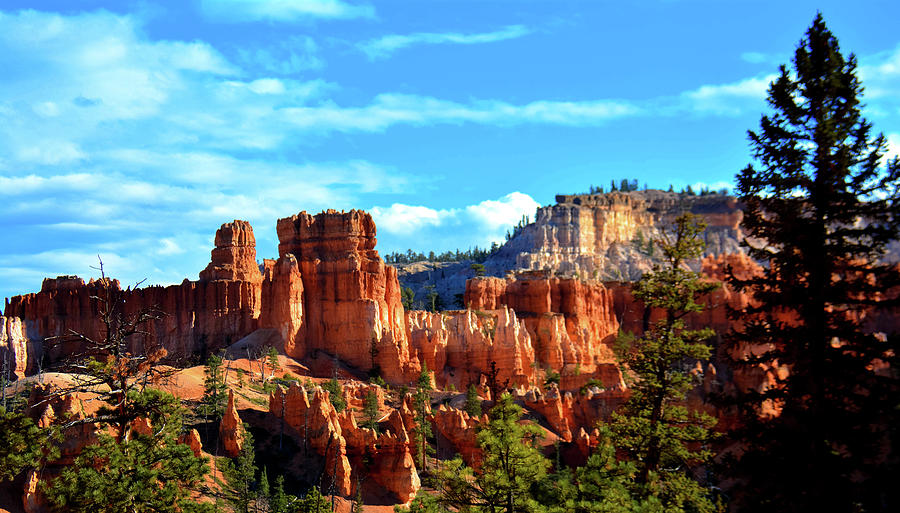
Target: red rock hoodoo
[[338, 440], [351, 297]]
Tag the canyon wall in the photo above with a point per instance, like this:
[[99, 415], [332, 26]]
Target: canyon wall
[[199, 316]]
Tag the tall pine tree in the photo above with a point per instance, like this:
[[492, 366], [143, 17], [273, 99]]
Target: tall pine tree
[[664, 438], [821, 205]]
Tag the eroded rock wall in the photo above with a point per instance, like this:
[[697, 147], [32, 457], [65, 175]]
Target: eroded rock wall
[[460, 346], [19, 352], [339, 440], [199, 316], [571, 321]]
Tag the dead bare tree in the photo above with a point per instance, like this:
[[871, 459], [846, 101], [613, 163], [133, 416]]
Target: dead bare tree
[[106, 366]]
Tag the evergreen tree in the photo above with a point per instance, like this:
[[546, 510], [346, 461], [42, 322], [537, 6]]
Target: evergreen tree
[[664, 438], [281, 502], [370, 412], [125, 469], [263, 497], [823, 436], [512, 464], [313, 502], [214, 389], [603, 485], [473, 401], [422, 402], [140, 473], [240, 476], [272, 360], [407, 296], [335, 394], [23, 445]]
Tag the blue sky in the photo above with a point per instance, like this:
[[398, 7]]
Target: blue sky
[[132, 130]]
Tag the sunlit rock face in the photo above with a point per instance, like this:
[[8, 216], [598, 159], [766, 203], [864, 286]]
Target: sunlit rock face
[[351, 305], [19, 353], [231, 429], [462, 345], [571, 321], [234, 257], [606, 236]]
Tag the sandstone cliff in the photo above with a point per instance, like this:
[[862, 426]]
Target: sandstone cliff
[[606, 236], [19, 353]]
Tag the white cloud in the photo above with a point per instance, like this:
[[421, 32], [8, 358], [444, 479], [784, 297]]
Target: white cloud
[[420, 227], [754, 57], [386, 45], [729, 99], [501, 214], [283, 10], [50, 152], [880, 74], [169, 247], [773, 59], [267, 86], [405, 219], [387, 110]]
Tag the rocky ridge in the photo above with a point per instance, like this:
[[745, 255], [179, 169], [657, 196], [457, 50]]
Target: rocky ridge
[[330, 293]]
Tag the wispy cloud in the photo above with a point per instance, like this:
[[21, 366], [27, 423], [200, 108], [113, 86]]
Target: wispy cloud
[[880, 74], [728, 99], [240, 11], [287, 57], [384, 46], [773, 59], [387, 110]]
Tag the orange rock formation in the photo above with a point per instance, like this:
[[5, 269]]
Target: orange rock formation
[[460, 345], [231, 429], [200, 316], [338, 439], [19, 354], [351, 297], [570, 321]]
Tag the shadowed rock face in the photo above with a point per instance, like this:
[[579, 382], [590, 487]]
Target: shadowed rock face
[[199, 316]]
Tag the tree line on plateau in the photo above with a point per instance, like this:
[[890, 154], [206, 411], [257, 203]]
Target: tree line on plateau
[[820, 208]]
